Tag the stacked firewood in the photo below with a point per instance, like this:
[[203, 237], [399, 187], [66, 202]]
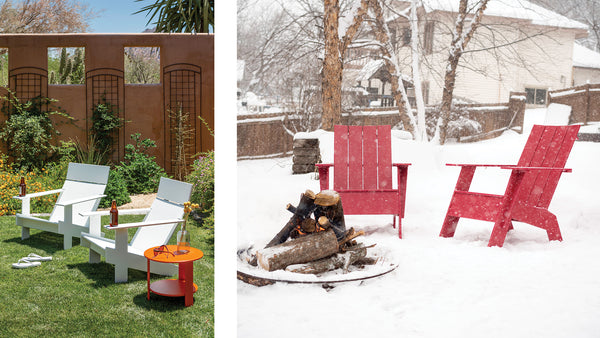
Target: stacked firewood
[[317, 244]]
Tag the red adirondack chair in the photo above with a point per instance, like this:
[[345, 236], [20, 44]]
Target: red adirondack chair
[[529, 191], [362, 172]]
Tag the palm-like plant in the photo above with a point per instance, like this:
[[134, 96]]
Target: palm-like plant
[[177, 16]]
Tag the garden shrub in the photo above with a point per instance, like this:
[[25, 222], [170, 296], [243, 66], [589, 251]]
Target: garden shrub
[[116, 189], [28, 130], [141, 173], [203, 192], [37, 180]]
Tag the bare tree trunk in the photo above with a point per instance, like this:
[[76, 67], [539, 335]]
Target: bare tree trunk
[[457, 47], [332, 67], [382, 35], [421, 132], [333, 61]]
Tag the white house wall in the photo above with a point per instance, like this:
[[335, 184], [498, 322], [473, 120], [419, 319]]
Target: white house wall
[[490, 75], [582, 76]]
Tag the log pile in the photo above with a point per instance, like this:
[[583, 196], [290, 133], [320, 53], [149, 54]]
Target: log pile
[[316, 244]]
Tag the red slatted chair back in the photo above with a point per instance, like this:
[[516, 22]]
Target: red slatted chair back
[[547, 146], [362, 158]]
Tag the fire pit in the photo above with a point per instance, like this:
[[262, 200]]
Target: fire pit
[[314, 250]]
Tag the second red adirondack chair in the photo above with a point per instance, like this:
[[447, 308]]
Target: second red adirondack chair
[[529, 191], [362, 172]]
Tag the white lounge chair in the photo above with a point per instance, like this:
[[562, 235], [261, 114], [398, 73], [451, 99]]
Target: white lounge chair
[[156, 229], [81, 192]]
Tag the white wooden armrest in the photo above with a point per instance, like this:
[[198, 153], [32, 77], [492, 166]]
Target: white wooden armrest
[[26, 200], [140, 211], [38, 194], [80, 200], [143, 224]]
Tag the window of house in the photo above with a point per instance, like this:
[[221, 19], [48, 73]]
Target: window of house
[[536, 96], [66, 65], [373, 90], [428, 38], [142, 65], [406, 35]]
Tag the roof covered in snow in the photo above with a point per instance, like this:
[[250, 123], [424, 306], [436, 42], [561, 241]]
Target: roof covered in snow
[[584, 57], [517, 9], [369, 70]]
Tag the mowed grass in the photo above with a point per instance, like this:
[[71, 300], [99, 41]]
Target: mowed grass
[[70, 297]]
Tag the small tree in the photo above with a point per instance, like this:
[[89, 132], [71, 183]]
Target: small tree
[[461, 36], [183, 134]]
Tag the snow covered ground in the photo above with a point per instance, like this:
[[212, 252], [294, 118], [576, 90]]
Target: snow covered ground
[[443, 287]]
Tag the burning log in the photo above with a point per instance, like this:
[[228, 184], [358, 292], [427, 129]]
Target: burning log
[[337, 261], [301, 250], [305, 207], [329, 212]]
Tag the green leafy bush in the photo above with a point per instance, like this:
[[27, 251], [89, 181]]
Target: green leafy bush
[[203, 179], [141, 173], [116, 189], [28, 130]]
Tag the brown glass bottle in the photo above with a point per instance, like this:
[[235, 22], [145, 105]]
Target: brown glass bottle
[[22, 187], [114, 214]]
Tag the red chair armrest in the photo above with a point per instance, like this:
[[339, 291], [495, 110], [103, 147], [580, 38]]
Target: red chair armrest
[[476, 165], [565, 170], [324, 175], [401, 164]]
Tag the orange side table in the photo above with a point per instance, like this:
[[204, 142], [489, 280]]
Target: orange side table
[[184, 285]]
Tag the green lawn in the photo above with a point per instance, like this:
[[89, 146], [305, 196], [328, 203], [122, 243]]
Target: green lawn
[[70, 297]]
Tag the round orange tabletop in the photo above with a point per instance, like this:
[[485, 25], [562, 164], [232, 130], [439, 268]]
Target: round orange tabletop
[[170, 255]]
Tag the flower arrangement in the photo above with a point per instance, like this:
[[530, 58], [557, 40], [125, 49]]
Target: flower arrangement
[[183, 236], [187, 208]]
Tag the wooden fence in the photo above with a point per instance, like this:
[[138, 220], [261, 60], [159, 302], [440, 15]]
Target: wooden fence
[[263, 135], [584, 101], [267, 135]]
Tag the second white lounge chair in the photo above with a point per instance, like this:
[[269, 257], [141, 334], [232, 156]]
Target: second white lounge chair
[[156, 229]]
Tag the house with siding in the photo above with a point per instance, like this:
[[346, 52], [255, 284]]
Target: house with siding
[[519, 47], [586, 65]]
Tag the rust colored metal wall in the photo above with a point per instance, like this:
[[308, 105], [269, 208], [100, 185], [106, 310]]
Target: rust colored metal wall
[[187, 81]]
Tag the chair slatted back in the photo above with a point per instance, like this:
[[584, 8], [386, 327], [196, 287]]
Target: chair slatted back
[[362, 158], [82, 180], [547, 146], [168, 204]]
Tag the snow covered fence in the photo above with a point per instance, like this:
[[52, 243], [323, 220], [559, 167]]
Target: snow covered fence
[[584, 101], [263, 135], [271, 135]]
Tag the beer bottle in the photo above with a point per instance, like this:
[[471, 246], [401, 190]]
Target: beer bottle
[[22, 187], [114, 214]]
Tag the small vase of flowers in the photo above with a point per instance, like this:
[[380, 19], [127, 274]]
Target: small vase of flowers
[[183, 236]]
